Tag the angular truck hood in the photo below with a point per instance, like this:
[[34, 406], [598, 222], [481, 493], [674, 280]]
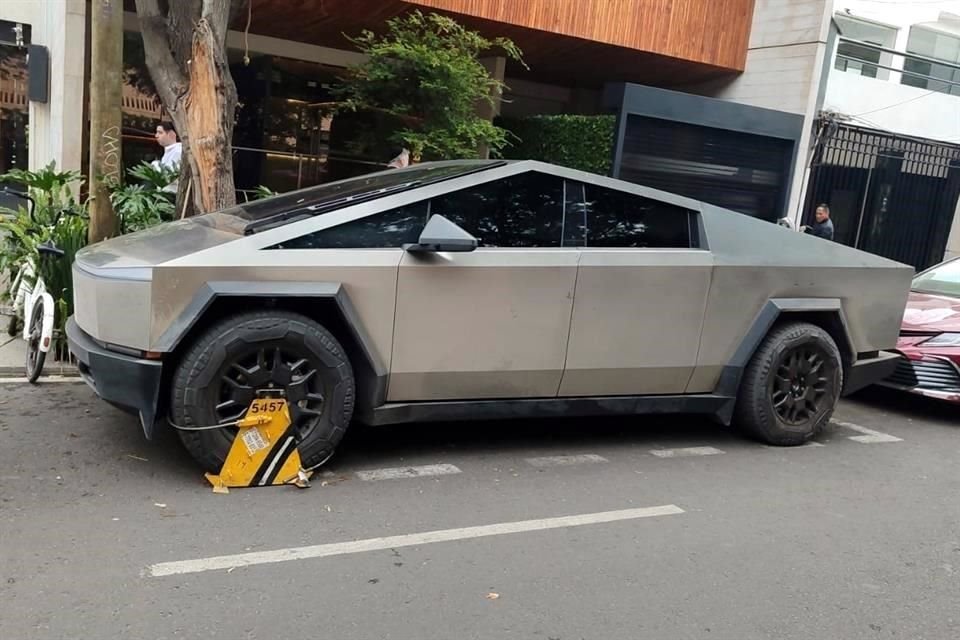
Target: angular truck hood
[[160, 244]]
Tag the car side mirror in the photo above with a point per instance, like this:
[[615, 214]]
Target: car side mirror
[[440, 234]]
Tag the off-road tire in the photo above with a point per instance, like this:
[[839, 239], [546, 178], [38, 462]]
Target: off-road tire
[[198, 382], [756, 414]]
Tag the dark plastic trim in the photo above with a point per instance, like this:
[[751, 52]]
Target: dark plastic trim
[[457, 411], [870, 371], [129, 383]]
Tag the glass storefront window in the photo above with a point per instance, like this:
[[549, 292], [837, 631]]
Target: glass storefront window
[[14, 109]]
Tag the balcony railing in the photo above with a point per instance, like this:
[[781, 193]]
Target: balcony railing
[[949, 86]]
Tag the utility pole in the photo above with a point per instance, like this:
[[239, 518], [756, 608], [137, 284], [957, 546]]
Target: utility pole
[[106, 113]]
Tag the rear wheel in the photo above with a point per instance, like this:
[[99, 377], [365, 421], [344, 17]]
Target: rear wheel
[[791, 386], [220, 375], [35, 357]]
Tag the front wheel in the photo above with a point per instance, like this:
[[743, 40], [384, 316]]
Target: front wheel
[[791, 386], [35, 356], [220, 375]]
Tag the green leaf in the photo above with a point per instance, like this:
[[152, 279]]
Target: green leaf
[[575, 141], [424, 81]]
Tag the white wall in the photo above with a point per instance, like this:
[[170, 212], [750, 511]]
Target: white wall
[[787, 41], [894, 107], [56, 128], [882, 105]]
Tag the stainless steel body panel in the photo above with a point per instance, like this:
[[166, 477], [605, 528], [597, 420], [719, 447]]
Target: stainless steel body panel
[[489, 324], [637, 318], [368, 276], [754, 263], [112, 310]]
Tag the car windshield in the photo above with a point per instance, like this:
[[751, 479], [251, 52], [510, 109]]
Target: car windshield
[[944, 280], [262, 214]]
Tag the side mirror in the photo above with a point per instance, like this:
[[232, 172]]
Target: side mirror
[[440, 234]]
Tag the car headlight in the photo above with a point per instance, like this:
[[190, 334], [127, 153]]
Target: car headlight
[[944, 340]]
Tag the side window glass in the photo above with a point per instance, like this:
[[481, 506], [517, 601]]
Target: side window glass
[[620, 219], [387, 229], [520, 211]]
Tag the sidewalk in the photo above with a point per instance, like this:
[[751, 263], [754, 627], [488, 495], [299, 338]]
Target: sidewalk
[[13, 355]]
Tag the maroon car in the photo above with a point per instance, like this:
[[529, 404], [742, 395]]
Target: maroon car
[[930, 335]]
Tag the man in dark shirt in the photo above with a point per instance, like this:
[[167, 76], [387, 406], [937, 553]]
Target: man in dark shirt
[[823, 227]]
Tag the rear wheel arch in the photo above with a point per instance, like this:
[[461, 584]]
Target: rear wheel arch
[[825, 313]]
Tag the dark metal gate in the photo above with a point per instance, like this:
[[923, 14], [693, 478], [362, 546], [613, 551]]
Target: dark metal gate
[[890, 195]]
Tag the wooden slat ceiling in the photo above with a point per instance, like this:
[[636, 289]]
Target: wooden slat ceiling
[[573, 42], [708, 31]]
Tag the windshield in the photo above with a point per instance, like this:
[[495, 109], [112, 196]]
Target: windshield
[[944, 280], [261, 214]]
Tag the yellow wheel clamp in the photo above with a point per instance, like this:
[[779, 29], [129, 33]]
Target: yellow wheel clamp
[[265, 452]]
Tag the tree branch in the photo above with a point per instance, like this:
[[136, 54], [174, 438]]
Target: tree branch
[[217, 14], [164, 70]]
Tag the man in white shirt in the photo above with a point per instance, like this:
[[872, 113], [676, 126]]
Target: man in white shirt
[[166, 137]]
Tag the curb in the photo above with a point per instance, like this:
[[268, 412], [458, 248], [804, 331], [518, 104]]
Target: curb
[[48, 371]]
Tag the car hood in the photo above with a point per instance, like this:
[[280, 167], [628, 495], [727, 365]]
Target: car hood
[[931, 313], [162, 243]]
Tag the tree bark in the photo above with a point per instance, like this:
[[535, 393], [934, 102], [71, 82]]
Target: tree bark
[[186, 54], [106, 117], [209, 108]]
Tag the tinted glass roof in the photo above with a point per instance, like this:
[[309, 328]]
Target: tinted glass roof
[[262, 214]]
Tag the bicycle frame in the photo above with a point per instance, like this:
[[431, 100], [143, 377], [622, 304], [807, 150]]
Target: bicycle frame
[[28, 289]]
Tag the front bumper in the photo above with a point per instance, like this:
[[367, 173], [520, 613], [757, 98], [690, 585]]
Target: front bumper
[[870, 371], [928, 375], [129, 383]]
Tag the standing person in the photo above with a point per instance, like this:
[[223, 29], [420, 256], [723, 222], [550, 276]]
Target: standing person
[[166, 137], [823, 227]]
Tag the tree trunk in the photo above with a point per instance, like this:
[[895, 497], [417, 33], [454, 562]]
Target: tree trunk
[[209, 109], [106, 85], [194, 82]]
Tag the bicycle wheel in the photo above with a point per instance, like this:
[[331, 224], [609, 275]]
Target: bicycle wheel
[[35, 357]]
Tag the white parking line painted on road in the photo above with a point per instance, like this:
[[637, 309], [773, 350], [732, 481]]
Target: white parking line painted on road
[[869, 436], [409, 540], [685, 452], [42, 381], [565, 461], [396, 473]]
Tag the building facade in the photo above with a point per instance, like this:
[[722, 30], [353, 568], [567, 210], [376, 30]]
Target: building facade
[[723, 101], [888, 158]]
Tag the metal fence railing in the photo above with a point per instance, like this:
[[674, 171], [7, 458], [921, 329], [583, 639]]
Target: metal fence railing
[[915, 67]]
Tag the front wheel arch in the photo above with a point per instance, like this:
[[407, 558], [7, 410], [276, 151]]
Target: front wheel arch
[[325, 308]]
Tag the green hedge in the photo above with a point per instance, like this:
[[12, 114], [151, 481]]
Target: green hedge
[[578, 142]]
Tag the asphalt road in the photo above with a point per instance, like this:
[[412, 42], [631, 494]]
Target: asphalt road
[[103, 535]]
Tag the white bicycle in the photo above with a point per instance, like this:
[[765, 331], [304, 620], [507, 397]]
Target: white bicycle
[[32, 303]]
